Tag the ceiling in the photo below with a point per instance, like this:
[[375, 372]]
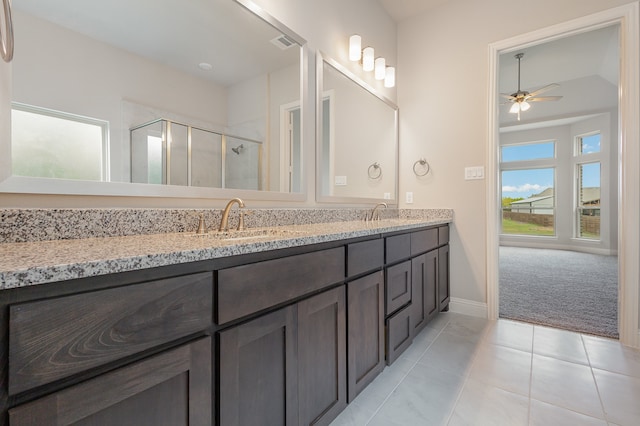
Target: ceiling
[[402, 9]]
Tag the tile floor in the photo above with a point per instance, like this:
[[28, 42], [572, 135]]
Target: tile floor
[[464, 370]]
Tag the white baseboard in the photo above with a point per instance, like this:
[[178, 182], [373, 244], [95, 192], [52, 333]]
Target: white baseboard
[[468, 307]]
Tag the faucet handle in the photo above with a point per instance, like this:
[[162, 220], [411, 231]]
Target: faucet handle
[[241, 225], [202, 229]]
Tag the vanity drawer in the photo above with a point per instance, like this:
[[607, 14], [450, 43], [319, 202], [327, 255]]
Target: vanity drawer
[[56, 338], [397, 247], [247, 289], [398, 339], [443, 235], [364, 256], [423, 241], [398, 286]]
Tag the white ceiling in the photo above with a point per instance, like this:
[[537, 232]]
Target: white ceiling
[[402, 9]]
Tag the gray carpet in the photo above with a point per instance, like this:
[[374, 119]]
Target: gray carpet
[[562, 289]]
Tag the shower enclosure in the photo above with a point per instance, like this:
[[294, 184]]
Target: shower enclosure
[[171, 153]]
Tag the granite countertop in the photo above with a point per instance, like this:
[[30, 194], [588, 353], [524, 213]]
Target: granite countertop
[[32, 263]]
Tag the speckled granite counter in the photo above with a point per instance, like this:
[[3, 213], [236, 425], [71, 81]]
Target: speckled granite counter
[[32, 263]]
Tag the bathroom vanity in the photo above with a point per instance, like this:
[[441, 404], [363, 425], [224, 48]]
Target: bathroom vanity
[[267, 328]]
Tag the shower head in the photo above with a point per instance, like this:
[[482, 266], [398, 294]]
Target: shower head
[[238, 149]]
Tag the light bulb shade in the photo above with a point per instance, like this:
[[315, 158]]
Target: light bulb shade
[[390, 77], [515, 108], [355, 47], [368, 59], [524, 105], [380, 65]]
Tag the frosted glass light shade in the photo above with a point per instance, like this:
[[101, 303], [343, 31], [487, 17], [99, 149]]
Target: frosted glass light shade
[[390, 77], [380, 65], [514, 108], [355, 47], [524, 106], [368, 59]]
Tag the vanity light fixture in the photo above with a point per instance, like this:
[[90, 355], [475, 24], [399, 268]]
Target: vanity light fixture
[[390, 77], [368, 59], [380, 65], [355, 47], [369, 62]]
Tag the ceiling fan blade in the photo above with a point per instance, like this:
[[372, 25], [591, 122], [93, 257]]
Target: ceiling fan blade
[[544, 99], [544, 89], [506, 96]]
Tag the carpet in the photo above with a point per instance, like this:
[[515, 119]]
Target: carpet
[[558, 288]]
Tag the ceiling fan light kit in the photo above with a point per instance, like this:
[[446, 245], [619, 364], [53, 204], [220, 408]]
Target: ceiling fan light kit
[[521, 98]]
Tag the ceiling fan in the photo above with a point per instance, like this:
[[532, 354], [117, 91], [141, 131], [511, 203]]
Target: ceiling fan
[[521, 98]]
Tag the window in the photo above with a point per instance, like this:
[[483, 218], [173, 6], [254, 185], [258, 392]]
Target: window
[[588, 186], [528, 202], [53, 144], [528, 151], [527, 172]]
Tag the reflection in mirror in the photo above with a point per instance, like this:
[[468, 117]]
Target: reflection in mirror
[[358, 138], [156, 93]]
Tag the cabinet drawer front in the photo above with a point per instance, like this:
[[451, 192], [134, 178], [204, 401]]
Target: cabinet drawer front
[[397, 247], [244, 290], [443, 235], [398, 334], [398, 286], [55, 338], [365, 256], [422, 241]]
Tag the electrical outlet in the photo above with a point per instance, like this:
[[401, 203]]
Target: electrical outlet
[[409, 197], [387, 196], [340, 180]]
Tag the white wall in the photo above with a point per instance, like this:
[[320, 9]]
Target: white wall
[[442, 93]]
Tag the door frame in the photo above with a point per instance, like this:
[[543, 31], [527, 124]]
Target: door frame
[[627, 17]]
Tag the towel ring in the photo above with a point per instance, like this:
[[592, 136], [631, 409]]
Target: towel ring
[[424, 167], [374, 171], [6, 36]]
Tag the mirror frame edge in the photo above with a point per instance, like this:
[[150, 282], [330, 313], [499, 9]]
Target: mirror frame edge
[[10, 184], [321, 58]]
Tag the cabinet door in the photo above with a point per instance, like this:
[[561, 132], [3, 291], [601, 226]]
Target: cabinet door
[[424, 288], [443, 277], [398, 288], [398, 333], [365, 313], [258, 371], [172, 389], [322, 361]]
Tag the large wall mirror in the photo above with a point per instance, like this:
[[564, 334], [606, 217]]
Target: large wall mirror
[[162, 98], [357, 141]]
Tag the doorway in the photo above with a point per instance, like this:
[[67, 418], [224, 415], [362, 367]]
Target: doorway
[[627, 162]]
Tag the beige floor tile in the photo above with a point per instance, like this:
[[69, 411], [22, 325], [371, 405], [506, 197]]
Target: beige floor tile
[[565, 384], [611, 355], [560, 344], [486, 405], [513, 334], [543, 414], [620, 396], [503, 367]]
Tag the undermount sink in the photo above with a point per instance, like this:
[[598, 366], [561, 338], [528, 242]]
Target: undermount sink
[[248, 234]]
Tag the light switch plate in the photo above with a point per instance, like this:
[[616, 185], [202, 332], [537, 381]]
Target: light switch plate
[[409, 197], [474, 173]]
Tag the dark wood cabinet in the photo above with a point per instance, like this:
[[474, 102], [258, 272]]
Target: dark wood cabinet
[[322, 357], [258, 371], [365, 309], [399, 336], [424, 287], [169, 389], [397, 286], [443, 277]]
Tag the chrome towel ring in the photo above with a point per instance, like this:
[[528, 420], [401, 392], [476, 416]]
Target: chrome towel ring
[[6, 36], [374, 171], [421, 167]]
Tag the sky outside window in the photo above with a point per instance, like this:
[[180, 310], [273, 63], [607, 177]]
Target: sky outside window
[[531, 151], [525, 183], [589, 144]]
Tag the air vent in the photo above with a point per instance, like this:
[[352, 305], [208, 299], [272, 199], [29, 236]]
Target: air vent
[[283, 42]]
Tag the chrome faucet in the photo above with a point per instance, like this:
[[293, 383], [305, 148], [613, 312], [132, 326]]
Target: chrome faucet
[[374, 211], [224, 222]]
